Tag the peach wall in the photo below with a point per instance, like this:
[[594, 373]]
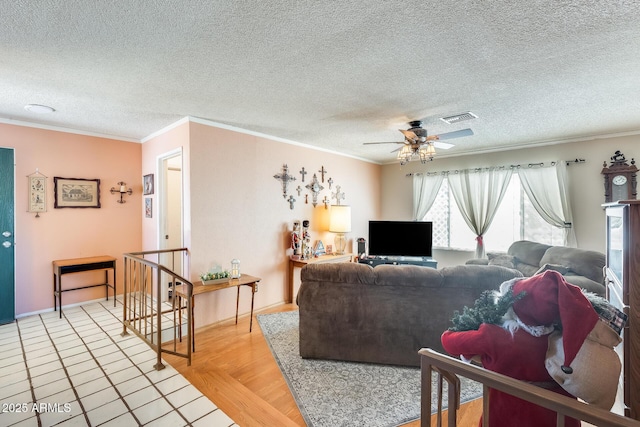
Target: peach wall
[[176, 138], [238, 210], [71, 233]]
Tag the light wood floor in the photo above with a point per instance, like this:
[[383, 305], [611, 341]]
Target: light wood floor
[[236, 370]]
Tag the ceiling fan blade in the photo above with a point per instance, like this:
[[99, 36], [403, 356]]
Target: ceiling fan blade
[[442, 145], [455, 134], [390, 142], [411, 136]]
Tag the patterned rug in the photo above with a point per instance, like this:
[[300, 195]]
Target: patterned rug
[[330, 393]]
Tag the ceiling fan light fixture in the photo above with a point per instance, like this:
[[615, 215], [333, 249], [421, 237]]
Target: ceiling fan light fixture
[[427, 152], [405, 154]]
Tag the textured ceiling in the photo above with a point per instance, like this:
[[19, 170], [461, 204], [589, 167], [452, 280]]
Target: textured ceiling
[[331, 74]]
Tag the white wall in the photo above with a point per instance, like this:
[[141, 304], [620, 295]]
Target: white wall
[[586, 184]]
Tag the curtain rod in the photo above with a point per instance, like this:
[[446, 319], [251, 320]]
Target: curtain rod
[[529, 165]]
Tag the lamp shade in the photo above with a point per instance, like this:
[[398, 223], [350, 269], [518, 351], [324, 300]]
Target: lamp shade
[[340, 219]]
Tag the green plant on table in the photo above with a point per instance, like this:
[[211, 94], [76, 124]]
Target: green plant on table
[[215, 275]]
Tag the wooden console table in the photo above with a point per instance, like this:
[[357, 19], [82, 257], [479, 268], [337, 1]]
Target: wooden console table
[[319, 260], [77, 265], [201, 288]]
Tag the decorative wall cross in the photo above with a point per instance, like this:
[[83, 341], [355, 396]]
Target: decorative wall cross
[[285, 178], [330, 181], [315, 188], [299, 189], [303, 173], [326, 202], [291, 201], [337, 195], [322, 172]]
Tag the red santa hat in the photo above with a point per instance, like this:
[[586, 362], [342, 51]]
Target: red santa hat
[[550, 300]]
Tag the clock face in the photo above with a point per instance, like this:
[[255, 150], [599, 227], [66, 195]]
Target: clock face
[[619, 180]]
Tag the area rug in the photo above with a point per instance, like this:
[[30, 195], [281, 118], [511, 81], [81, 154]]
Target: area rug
[[331, 393]]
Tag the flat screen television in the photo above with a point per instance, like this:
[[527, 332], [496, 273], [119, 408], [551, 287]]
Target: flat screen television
[[400, 238]]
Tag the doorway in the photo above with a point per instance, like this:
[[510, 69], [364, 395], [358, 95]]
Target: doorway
[[170, 214], [7, 240]]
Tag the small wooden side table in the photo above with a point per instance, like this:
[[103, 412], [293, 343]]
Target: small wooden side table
[[322, 259], [200, 288], [77, 265]]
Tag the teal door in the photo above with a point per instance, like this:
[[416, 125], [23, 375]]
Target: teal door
[[7, 254]]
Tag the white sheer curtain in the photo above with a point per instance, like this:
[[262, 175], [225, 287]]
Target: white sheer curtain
[[478, 194], [425, 190], [548, 190]]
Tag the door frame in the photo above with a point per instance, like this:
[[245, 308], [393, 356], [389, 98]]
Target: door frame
[[162, 209]]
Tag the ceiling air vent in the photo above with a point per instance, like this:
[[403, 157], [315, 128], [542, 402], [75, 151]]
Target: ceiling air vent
[[459, 117]]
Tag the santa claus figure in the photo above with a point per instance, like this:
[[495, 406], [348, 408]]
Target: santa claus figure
[[539, 330]]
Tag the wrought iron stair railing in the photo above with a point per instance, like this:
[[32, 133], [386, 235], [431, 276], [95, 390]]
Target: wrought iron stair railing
[[151, 312]]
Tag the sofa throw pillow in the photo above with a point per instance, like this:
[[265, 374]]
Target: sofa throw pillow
[[556, 267], [503, 261], [492, 255]]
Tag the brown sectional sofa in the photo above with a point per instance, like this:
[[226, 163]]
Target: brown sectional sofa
[[580, 267], [359, 313]]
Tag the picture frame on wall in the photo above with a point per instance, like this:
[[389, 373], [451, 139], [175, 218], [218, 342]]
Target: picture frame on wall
[[148, 184], [76, 193], [148, 207]]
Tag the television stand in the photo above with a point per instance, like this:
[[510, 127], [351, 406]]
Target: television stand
[[399, 260]]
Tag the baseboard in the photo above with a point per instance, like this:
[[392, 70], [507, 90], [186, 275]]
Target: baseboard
[[64, 307]]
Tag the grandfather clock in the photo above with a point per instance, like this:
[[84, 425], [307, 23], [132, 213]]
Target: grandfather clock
[[619, 179]]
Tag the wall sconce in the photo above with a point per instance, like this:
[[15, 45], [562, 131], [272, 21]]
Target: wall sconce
[[122, 190]]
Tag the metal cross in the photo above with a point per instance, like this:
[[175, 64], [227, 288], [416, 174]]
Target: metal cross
[[322, 172], [337, 195], [285, 178], [299, 189], [303, 173], [330, 181], [326, 202], [291, 201], [306, 199]]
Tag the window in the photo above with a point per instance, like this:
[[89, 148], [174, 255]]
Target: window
[[516, 219]]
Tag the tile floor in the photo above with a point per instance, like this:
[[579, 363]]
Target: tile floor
[[80, 371]]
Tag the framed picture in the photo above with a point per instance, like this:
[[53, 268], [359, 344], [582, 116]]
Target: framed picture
[[148, 207], [76, 193], [148, 184], [37, 193]]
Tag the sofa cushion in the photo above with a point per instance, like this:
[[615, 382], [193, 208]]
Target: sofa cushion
[[586, 284], [528, 252], [580, 261], [508, 261], [555, 267], [527, 270]]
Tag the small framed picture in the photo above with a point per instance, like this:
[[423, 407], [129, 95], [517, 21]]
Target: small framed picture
[[76, 193], [329, 249], [148, 207], [148, 184]]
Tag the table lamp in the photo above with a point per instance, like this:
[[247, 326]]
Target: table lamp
[[340, 223]]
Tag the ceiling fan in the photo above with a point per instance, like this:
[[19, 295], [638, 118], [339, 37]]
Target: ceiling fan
[[418, 143]]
